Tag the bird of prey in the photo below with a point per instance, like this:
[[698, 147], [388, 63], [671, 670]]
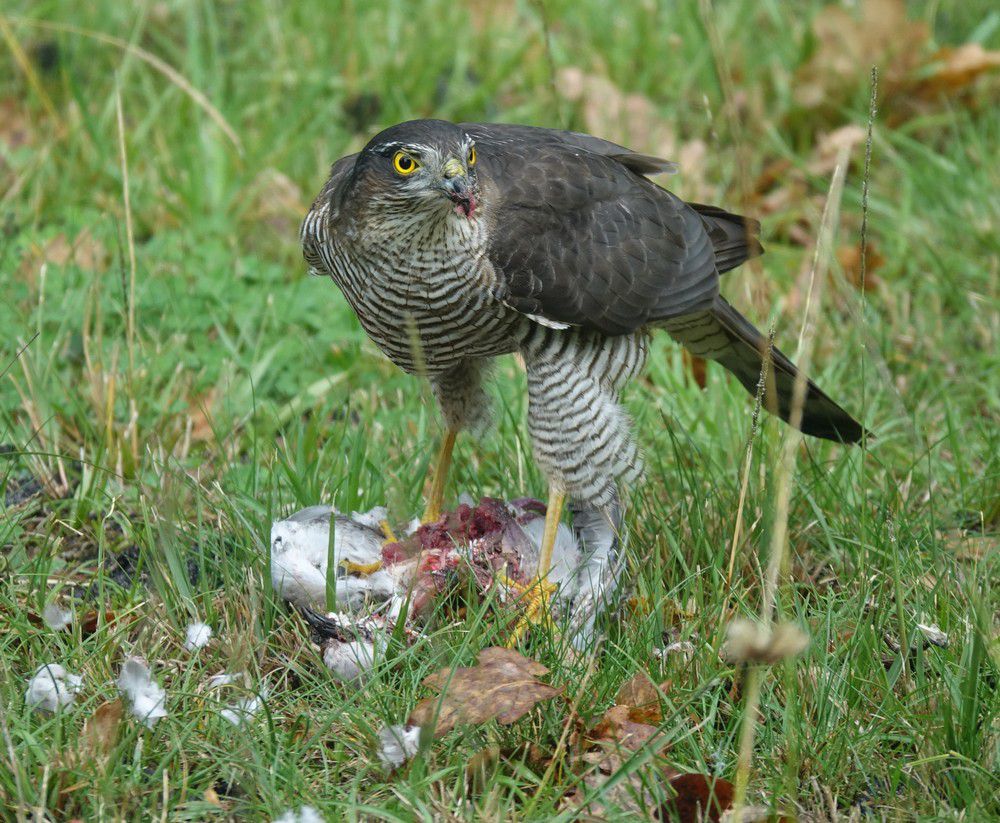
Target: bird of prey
[[457, 243]]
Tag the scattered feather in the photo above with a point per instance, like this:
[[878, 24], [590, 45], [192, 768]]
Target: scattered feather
[[51, 687], [225, 679], [244, 710], [685, 648], [933, 635], [305, 814], [57, 618], [397, 744], [145, 696], [349, 661], [198, 635]]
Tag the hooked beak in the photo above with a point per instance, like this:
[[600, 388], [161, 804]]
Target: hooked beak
[[457, 186]]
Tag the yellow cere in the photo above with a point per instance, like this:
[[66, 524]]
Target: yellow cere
[[404, 164]]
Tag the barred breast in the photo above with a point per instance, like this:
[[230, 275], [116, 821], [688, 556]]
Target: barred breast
[[425, 296]]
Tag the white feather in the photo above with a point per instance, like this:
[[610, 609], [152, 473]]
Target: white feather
[[51, 687], [146, 697], [397, 744], [198, 635]]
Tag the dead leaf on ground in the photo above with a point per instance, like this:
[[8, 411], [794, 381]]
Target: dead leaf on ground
[[614, 114], [955, 69], [696, 368], [502, 686], [698, 797], [90, 621], [969, 546], [639, 793], [84, 251], [15, 125], [100, 733], [848, 42], [831, 145], [849, 257], [642, 698], [200, 414], [481, 767], [618, 730], [486, 15]]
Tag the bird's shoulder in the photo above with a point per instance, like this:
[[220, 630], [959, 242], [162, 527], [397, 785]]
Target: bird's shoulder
[[579, 236], [325, 209]]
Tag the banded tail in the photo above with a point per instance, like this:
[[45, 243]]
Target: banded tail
[[724, 335]]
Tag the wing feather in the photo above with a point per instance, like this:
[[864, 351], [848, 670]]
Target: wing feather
[[313, 233], [580, 237]]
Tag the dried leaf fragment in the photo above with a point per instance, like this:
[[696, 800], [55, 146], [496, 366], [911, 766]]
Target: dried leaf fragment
[[698, 797], [502, 686], [620, 730], [954, 69], [100, 732], [641, 697]]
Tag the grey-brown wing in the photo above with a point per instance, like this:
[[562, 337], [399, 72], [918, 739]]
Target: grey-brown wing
[[313, 233], [581, 238], [515, 134]]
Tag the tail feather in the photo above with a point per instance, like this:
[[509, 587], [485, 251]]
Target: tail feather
[[735, 239], [724, 335]]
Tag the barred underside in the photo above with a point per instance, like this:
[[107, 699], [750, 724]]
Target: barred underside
[[701, 334], [581, 434]]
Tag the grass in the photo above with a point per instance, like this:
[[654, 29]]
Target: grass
[[172, 410]]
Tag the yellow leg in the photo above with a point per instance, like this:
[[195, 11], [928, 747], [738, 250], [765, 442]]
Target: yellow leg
[[539, 592], [436, 496]]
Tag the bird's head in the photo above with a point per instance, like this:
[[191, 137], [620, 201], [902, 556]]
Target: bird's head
[[421, 166]]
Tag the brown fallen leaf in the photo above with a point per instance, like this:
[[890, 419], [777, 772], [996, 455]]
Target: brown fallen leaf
[[502, 686], [642, 699], [15, 124], [100, 733], [696, 367], [849, 42], [617, 730], [849, 257], [639, 793], [698, 798], [89, 622], [84, 251], [969, 546], [276, 201], [481, 767], [607, 111], [953, 70], [831, 145]]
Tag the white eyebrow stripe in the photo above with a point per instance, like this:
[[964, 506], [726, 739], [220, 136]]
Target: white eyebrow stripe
[[397, 144]]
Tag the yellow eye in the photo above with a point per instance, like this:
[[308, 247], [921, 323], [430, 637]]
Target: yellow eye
[[472, 156], [404, 164]]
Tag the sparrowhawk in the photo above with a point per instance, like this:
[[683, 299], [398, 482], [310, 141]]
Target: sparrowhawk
[[456, 243]]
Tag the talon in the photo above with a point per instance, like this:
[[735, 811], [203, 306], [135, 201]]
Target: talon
[[360, 569], [390, 535], [540, 590], [537, 594]]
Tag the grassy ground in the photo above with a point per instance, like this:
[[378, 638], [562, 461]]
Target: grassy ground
[[172, 382]]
